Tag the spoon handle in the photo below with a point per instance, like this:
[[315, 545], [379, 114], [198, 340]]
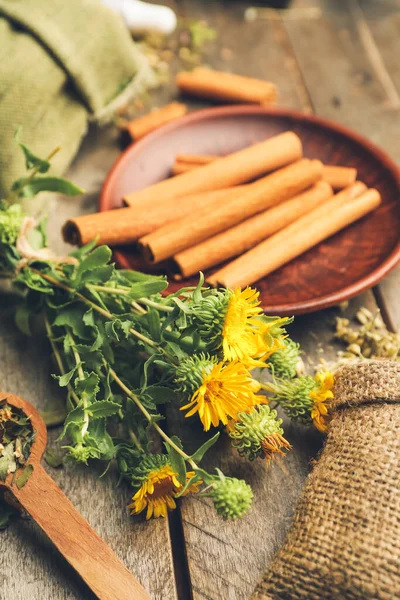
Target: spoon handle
[[82, 547]]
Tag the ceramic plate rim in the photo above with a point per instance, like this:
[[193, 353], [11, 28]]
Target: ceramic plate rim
[[301, 307]]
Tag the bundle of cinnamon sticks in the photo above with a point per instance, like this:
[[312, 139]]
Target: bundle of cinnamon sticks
[[261, 206]]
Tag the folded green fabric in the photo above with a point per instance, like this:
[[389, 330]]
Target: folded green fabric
[[62, 63]]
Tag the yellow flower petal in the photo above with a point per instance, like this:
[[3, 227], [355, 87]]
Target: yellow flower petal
[[245, 335], [157, 493], [227, 390], [321, 396]]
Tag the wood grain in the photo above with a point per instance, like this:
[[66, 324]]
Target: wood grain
[[79, 544], [144, 547], [336, 73]]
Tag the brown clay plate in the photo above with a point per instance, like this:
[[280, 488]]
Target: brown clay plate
[[339, 268]]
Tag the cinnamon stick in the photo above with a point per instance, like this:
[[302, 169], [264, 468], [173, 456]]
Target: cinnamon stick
[[219, 85], [180, 167], [239, 167], [266, 192], [311, 229], [187, 162], [153, 120], [244, 236], [196, 159], [126, 225], [339, 177]]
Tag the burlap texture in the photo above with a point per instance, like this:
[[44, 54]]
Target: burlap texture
[[344, 543], [63, 63]]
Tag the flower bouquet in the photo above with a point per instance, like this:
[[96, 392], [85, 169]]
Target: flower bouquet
[[125, 350]]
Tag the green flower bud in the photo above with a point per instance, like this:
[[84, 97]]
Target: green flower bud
[[284, 362], [147, 464], [189, 374], [258, 434], [232, 497], [209, 316], [294, 397]]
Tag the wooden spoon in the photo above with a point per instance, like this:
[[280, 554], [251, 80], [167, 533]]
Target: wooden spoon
[[89, 555]]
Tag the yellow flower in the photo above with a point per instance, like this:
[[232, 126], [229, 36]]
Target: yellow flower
[[158, 492], [241, 332], [246, 335], [321, 397], [226, 390]]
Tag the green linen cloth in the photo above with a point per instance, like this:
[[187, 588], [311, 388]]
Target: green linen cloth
[[62, 63]]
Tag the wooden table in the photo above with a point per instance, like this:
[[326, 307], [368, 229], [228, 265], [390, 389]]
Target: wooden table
[[341, 64]]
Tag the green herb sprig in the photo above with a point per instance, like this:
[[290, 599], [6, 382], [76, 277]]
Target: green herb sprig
[[124, 351]]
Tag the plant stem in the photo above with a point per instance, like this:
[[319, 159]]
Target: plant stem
[[97, 308], [125, 291], [58, 358], [135, 440], [139, 308], [156, 305], [145, 412], [35, 171], [268, 387], [81, 376]]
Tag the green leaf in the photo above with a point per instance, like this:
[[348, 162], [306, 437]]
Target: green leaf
[[99, 275], [99, 436], [197, 292], [144, 289], [188, 483], [63, 380], [160, 394], [177, 461], [28, 189], [81, 252], [184, 307], [200, 452], [153, 320], [99, 257], [136, 276], [74, 420], [111, 330], [72, 316], [34, 282], [22, 318], [32, 161], [23, 478], [88, 386], [103, 408]]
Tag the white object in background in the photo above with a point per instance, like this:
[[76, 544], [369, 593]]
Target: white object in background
[[143, 17]]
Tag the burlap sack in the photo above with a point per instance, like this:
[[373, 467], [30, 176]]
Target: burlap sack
[[344, 543]]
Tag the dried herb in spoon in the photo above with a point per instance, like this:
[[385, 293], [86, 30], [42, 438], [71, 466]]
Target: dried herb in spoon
[[16, 437]]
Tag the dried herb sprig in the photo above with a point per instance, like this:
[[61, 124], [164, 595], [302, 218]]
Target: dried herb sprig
[[16, 437], [371, 340]]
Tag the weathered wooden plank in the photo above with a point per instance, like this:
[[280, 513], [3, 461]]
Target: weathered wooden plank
[[388, 295], [348, 65], [342, 82], [226, 559], [383, 21], [255, 49], [30, 565]]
